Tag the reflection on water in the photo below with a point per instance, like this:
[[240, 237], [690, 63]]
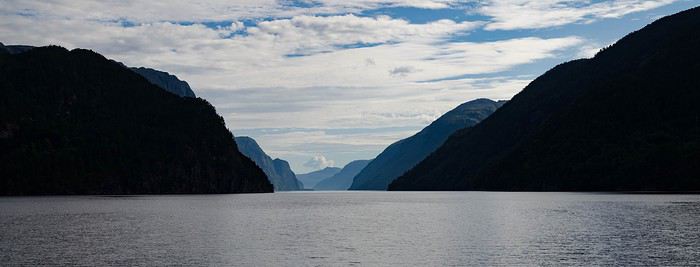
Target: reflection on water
[[353, 228]]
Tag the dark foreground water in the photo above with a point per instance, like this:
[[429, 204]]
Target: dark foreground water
[[352, 228]]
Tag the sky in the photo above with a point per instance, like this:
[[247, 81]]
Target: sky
[[323, 82]]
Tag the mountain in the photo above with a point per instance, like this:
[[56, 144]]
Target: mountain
[[401, 156], [343, 179], [74, 122], [278, 171], [162, 79], [626, 120], [166, 81], [311, 179]]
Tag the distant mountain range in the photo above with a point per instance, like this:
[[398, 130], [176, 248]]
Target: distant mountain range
[[399, 157], [343, 179], [626, 120], [74, 122], [278, 171], [311, 179]]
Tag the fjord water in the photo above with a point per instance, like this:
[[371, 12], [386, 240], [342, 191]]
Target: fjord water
[[352, 228]]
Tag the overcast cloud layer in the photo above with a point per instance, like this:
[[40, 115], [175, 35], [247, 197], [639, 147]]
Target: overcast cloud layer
[[321, 83]]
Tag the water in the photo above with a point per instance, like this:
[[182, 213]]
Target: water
[[352, 228]]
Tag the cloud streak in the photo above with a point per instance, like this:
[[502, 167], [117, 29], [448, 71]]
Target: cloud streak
[[529, 14], [139, 12]]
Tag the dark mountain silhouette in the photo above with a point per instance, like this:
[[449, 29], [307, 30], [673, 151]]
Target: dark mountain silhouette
[[343, 179], [278, 171], [627, 119], [166, 81], [14, 49], [162, 79], [74, 122], [309, 180], [401, 156]]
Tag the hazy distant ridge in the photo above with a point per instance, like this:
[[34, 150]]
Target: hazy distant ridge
[[343, 179], [311, 179], [278, 171], [402, 155]]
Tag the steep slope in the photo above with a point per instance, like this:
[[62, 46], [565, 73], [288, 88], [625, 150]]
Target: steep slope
[[399, 157], [309, 180], [74, 122], [278, 171], [166, 81], [628, 119], [343, 179]]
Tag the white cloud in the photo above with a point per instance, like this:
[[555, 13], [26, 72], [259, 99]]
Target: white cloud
[[253, 84], [297, 68], [313, 34], [506, 14], [319, 162], [534, 14], [211, 59], [588, 50], [201, 11]]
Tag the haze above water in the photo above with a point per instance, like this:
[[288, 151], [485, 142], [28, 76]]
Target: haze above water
[[348, 228]]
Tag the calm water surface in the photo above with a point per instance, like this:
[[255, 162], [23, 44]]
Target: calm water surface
[[352, 228]]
